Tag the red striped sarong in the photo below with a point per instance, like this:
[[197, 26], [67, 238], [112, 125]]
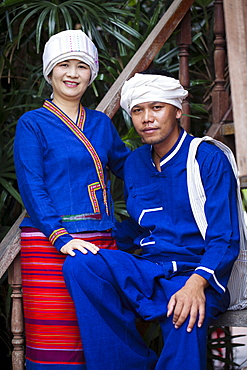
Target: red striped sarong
[[52, 332]]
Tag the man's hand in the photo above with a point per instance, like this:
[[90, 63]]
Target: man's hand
[[189, 301], [80, 245]]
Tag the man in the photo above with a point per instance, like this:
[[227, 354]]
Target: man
[[180, 278]]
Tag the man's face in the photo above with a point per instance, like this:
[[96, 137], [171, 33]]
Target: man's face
[[156, 123]]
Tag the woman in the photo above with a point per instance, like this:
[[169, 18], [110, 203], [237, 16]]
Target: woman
[[61, 153]]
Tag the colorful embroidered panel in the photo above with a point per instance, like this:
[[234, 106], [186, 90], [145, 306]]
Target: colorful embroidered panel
[[73, 127], [56, 234], [83, 216], [92, 194]]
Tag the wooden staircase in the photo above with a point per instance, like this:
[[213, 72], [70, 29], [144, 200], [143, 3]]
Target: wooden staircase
[[222, 128]]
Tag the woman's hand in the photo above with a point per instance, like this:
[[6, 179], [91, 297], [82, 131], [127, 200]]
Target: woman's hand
[[80, 245]]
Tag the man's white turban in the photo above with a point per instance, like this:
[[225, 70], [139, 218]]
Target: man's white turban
[[70, 44], [143, 88]]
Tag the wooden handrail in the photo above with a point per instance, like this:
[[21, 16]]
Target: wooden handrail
[[10, 245], [146, 53]]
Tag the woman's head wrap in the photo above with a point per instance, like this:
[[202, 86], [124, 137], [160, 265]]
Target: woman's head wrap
[[70, 44], [143, 88]]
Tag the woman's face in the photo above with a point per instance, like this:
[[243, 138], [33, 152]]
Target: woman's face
[[70, 79]]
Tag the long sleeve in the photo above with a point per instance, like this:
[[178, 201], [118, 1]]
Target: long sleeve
[[222, 237], [29, 163], [117, 154]]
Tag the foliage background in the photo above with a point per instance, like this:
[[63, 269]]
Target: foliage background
[[118, 29]]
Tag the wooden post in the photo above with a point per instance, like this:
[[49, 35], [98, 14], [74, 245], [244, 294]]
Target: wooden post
[[236, 33], [219, 95], [184, 41], [17, 321]]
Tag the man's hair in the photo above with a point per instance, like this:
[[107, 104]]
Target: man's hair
[[156, 71]]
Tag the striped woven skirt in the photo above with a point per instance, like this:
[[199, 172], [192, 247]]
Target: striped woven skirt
[[52, 334]]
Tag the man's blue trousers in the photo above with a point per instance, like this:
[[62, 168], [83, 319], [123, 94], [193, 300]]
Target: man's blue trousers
[[111, 289]]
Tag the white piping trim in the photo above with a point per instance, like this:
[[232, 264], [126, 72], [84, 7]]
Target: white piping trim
[[218, 283], [147, 243], [174, 266], [148, 210], [212, 273], [175, 150]]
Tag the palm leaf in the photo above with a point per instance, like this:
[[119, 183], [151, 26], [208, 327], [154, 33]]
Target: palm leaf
[[11, 190]]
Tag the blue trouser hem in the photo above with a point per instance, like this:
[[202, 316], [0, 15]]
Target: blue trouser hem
[[108, 299]]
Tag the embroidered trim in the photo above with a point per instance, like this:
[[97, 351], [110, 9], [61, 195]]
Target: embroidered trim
[[81, 217], [92, 193], [56, 233], [81, 118], [70, 124]]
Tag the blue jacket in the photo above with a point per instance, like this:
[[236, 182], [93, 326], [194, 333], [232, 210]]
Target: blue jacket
[[57, 175], [162, 223]]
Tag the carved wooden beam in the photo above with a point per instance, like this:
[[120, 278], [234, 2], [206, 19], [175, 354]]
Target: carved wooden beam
[[146, 53]]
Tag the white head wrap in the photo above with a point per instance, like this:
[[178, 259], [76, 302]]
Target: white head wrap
[[70, 44], [143, 88]]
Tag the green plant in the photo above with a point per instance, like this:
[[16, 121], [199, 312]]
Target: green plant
[[9, 196]]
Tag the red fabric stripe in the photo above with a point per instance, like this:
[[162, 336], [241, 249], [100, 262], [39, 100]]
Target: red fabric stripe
[[50, 318]]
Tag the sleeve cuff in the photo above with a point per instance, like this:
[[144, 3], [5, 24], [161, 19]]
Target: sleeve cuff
[[209, 275], [59, 238]]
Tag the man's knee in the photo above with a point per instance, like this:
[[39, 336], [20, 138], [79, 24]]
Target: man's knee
[[75, 266], [83, 266]]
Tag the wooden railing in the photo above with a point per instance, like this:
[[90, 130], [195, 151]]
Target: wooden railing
[[10, 260], [177, 15], [146, 53]]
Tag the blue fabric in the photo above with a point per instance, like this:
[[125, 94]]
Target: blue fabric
[[162, 223], [54, 170], [35, 366], [111, 289]]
